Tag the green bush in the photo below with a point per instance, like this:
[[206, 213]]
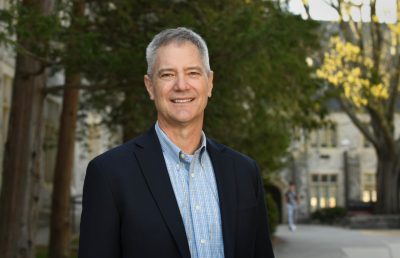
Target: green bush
[[329, 215], [273, 213]]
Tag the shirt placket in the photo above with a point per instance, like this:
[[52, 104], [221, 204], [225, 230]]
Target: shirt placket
[[197, 196]]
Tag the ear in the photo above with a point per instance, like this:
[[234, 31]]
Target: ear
[[210, 83], [149, 86]]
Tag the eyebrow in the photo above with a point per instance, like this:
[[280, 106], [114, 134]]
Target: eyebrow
[[162, 70], [193, 68]]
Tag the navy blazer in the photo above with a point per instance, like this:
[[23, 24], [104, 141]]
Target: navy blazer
[[130, 210]]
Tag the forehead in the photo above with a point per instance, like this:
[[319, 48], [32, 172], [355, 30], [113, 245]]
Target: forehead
[[178, 53]]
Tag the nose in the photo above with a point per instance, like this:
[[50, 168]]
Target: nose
[[181, 83]]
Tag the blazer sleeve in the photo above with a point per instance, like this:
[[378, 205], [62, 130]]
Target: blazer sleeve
[[100, 222], [263, 248]]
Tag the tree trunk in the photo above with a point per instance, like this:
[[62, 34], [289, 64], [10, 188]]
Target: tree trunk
[[388, 184], [60, 235], [19, 201], [60, 230], [21, 175]]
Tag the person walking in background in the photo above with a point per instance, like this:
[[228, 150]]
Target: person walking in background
[[292, 200], [173, 192]]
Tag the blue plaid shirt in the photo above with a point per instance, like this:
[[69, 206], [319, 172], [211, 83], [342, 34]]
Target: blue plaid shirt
[[193, 181]]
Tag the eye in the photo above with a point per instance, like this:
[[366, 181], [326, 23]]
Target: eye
[[167, 76], [194, 74]]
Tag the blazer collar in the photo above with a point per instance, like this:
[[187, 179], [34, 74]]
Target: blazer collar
[[151, 160], [224, 171]]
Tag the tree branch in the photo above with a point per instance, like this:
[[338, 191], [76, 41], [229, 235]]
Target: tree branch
[[38, 72], [331, 4], [383, 126], [346, 27], [393, 91], [59, 88], [357, 122], [376, 39], [21, 49], [306, 9]]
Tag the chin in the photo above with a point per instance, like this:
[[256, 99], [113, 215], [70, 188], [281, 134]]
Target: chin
[[183, 120], [183, 117]]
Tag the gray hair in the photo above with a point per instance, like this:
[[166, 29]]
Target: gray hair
[[178, 35]]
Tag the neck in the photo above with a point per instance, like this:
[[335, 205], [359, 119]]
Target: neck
[[186, 137]]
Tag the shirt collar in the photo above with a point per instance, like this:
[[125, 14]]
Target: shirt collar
[[174, 151]]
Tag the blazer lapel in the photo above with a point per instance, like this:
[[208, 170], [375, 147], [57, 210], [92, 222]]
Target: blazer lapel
[[226, 183], [151, 160]]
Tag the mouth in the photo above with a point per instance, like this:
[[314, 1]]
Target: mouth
[[182, 101]]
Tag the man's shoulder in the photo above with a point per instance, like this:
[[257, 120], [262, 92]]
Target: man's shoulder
[[118, 153], [234, 154]]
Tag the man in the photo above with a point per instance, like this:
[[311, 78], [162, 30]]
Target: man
[[291, 203], [172, 192]]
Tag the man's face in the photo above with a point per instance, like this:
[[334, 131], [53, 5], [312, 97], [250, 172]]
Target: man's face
[[179, 84]]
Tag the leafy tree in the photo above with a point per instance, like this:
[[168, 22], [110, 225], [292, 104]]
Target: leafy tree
[[21, 168], [60, 223], [362, 68], [45, 42], [262, 84]]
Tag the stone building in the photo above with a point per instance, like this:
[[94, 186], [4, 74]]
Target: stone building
[[334, 166]]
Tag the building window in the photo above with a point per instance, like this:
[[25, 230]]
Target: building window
[[323, 191], [369, 187], [325, 137]]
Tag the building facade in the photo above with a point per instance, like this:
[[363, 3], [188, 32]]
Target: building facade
[[334, 166]]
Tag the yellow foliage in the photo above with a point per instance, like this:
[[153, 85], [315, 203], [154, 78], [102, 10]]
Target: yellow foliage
[[345, 68], [395, 28], [375, 18], [380, 91]]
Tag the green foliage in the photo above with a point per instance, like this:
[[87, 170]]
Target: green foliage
[[262, 87], [329, 215], [33, 29], [273, 213]]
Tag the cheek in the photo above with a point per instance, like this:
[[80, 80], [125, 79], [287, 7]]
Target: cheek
[[160, 94]]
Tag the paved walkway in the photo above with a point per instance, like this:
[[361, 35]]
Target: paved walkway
[[310, 241]]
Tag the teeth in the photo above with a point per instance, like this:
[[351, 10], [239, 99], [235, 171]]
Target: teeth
[[181, 100]]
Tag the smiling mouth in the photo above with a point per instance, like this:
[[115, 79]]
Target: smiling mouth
[[179, 101]]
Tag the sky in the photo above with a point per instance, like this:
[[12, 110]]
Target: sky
[[320, 10]]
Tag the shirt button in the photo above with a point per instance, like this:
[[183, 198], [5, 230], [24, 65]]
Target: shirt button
[[197, 207], [203, 241], [182, 156], [177, 166], [192, 174]]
